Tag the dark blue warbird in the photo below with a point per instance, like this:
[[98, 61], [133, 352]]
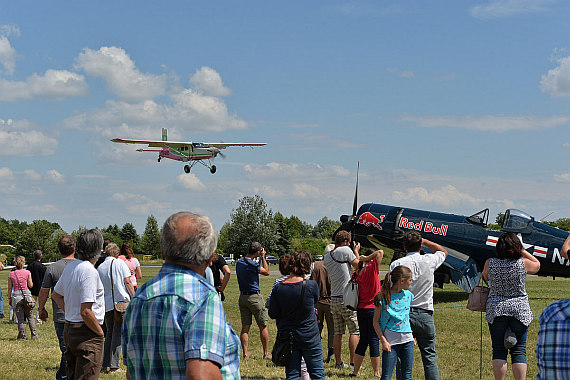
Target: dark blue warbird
[[467, 239]]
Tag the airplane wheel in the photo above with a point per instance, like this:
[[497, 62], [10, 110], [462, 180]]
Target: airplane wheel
[[187, 168], [213, 169]]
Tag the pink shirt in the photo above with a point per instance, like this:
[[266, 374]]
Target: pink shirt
[[19, 279], [368, 285], [133, 264]]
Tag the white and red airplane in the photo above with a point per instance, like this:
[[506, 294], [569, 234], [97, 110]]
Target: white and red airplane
[[191, 152]]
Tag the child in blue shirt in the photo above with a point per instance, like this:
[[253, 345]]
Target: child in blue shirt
[[392, 322]]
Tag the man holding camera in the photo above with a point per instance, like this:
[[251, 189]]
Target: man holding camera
[[251, 301]]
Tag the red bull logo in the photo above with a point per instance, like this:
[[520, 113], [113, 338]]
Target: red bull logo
[[368, 219]]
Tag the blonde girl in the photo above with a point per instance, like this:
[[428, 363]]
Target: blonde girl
[[392, 322]]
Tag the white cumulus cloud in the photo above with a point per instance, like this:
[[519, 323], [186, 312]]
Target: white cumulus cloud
[[556, 82], [120, 74], [189, 112], [7, 55], [138, 204], [295, 171], [564, 177], [446, 196], [191, 182], [6, 174], [55, 176], [505, 8], [209, 81], [32, 174], [490, 123], [18, 139], [54, 84]]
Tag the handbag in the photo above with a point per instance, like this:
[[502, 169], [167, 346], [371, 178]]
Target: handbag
[[477, 300], [350, 295], [283, 347], [28, 301], [119, 308]]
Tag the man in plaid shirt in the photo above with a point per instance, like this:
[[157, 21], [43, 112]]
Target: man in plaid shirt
[[175, 326], [553, 346]]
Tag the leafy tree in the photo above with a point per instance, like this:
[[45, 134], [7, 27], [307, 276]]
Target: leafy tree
[[113, 230], [37, 235], [11, 230], [297, 228], [562, 223], [129, 233], [314, 246], [283, 236], [325, 228], [251, 221], [150, 241], [500, 218], [222, 248]]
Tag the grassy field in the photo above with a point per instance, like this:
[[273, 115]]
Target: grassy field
[[458, 329]]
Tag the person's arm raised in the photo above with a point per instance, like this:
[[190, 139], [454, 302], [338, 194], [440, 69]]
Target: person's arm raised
[[433, 246]]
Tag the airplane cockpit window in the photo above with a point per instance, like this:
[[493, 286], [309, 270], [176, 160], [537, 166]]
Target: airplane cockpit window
[[479, 218], [516, 220]]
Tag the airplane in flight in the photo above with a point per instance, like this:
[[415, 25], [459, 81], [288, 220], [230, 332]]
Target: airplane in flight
[[467, 239], [185, 151]]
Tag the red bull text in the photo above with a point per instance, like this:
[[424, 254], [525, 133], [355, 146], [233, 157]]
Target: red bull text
[[423, 226]]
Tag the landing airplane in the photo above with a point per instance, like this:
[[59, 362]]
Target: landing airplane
[[466, 238], [192, 152]]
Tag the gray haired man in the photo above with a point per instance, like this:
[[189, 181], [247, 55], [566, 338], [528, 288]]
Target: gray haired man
[[79, 293], [175, 326]]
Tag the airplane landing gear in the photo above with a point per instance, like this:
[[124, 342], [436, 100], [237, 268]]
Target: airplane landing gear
[[187, 168], [213, 169], [159, 157]]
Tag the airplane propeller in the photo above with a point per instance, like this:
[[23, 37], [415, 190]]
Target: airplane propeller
[[355, 204]]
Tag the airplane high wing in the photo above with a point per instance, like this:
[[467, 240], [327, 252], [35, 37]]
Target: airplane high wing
[[185, 151]]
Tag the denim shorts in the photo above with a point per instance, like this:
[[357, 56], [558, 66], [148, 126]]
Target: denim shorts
[[497, 330]]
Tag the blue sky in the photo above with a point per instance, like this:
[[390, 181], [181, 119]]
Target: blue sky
[[450, 106]]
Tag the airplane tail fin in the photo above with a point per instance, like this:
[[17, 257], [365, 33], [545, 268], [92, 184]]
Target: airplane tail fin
[[164, 135]]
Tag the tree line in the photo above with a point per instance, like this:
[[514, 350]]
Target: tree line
[[251, 221]]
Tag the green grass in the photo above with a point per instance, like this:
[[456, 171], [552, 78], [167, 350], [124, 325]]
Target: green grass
[[458, 336]]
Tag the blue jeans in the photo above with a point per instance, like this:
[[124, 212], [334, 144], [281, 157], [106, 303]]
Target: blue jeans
[[368, 335], [60, 375], [1, 302], [497, 330], [405, 353], [423, 327], [313, 359]]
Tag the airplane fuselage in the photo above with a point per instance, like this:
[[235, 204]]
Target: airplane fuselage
[[185, 155]]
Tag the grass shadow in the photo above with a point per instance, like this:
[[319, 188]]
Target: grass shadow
[[449, 297]]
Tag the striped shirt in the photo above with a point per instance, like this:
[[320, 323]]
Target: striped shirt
[[553, 345], [176, 316]]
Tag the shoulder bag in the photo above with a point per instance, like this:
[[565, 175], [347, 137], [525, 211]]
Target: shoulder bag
[[350, 295], [28, 301], [477, 300], [283, 347], [119, 308]]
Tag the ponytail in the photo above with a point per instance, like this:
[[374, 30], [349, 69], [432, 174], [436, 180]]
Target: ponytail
[[391, 278], [384, 291]]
